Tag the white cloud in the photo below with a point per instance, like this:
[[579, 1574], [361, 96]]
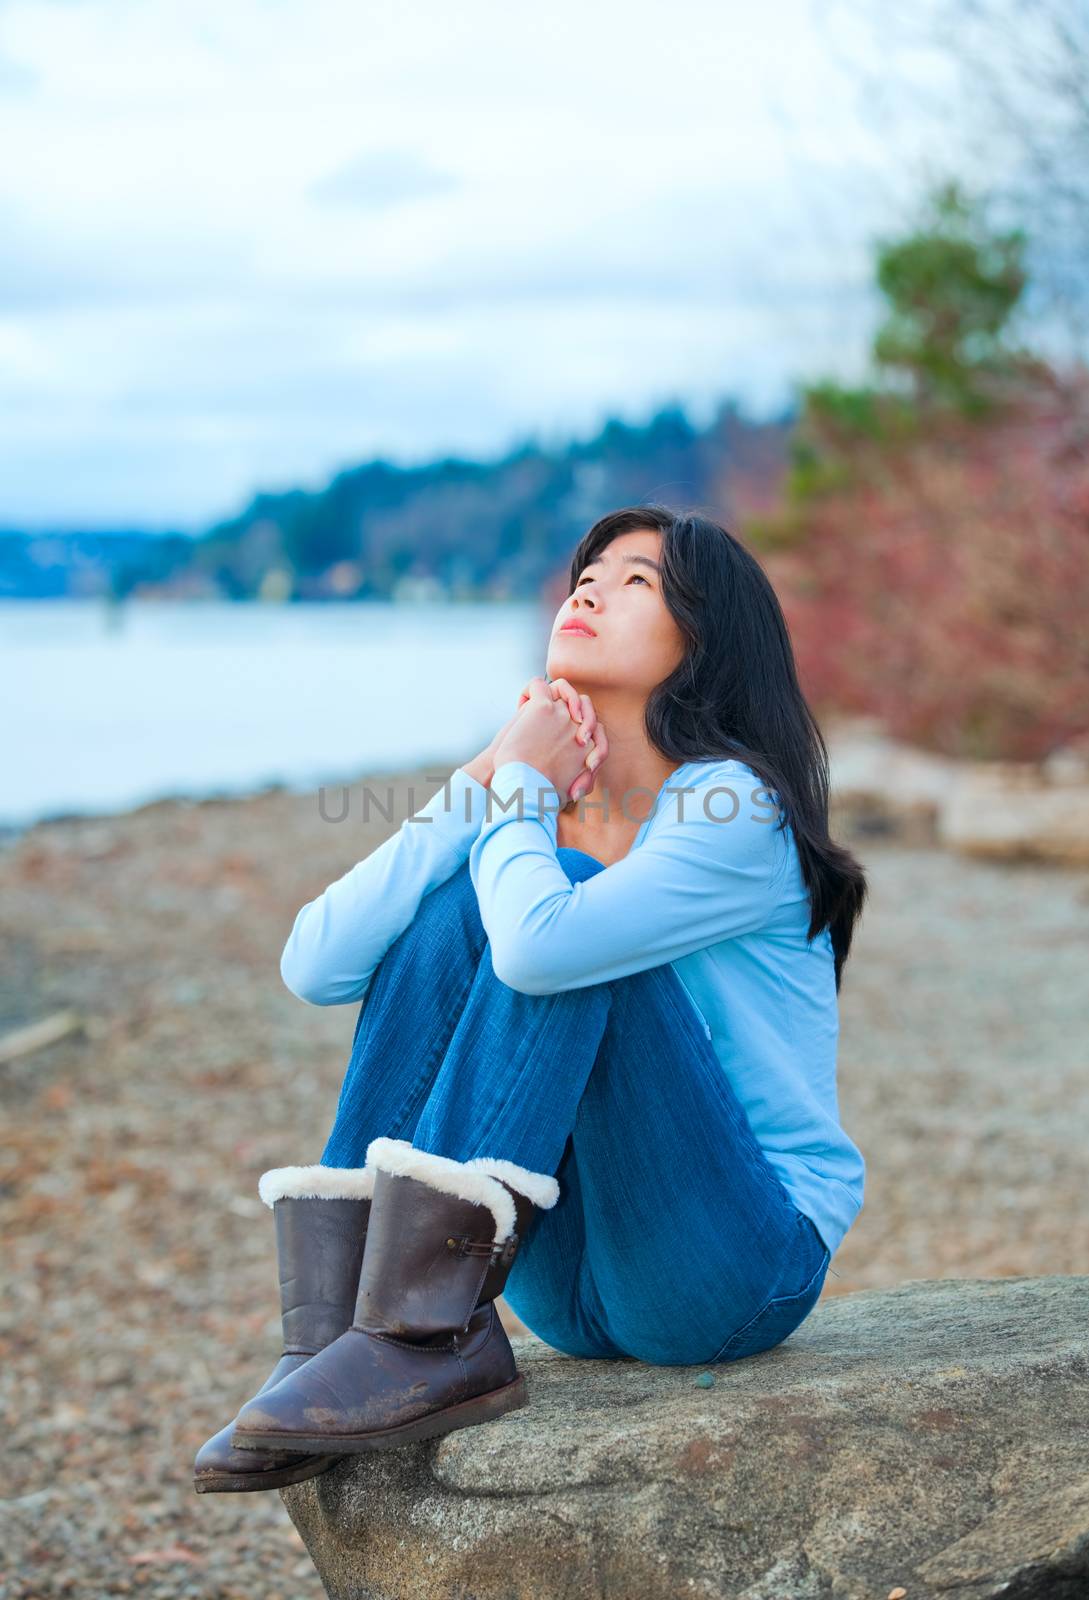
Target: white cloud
[[247, 245], [380, 179]]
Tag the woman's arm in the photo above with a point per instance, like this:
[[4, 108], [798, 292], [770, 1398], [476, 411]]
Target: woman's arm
[[338, 939], [692, 881]]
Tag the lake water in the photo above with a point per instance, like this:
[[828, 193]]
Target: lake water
[[101, 710]]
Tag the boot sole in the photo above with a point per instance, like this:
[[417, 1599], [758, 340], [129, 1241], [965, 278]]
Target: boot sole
[[279, 1478], [481, 1408]]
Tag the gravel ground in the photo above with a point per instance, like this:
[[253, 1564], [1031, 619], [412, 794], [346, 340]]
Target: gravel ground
[[143, 1305]]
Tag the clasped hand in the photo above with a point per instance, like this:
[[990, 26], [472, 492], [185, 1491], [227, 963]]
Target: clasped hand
[[556, 730]]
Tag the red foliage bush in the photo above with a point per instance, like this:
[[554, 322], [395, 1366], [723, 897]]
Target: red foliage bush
[[946, 591]]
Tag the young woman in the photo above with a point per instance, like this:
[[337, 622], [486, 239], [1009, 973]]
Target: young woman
[[594, 1066]]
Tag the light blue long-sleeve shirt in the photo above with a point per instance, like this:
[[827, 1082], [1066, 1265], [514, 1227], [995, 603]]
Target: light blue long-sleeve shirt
[[710, 885]]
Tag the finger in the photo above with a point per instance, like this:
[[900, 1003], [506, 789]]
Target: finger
[[525, 694], [561, 688], [575, 705], [600, 750], [582, 785], [588, 719], [595, 732], [537, 689]]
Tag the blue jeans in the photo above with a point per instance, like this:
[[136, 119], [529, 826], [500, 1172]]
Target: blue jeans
[[672, 1241]]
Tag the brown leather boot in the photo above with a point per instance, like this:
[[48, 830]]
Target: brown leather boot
[[321, 1218], [426, 1352]]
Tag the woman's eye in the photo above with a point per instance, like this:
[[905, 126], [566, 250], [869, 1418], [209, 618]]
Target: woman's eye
[[632, 579]]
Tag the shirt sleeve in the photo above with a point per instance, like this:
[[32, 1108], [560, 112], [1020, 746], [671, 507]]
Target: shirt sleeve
[[710, 867], [338, 939]]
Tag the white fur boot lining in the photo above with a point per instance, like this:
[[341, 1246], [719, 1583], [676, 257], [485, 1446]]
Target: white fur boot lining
[[473, 1180], [316, 1183]]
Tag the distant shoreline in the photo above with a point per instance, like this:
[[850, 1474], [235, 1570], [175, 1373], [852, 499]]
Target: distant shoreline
[[11, 832], [49, 819]]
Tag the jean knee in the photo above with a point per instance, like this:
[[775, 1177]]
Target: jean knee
[[459, 883], [454, 897], [446, 921]]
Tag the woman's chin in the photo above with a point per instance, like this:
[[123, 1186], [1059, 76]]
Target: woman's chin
[[566, 660]]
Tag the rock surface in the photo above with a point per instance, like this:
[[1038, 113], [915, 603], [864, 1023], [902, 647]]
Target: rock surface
[[997, 810], [927, 1438], [1014, 811]]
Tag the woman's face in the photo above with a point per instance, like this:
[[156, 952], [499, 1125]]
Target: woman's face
[[635, 642]]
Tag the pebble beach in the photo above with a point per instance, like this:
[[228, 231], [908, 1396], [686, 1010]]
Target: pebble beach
[[141, 1306]]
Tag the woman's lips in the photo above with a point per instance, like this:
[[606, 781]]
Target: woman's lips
[[578, 627]]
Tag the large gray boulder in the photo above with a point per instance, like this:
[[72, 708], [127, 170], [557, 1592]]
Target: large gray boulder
[[931, 1438], [1000, 810]]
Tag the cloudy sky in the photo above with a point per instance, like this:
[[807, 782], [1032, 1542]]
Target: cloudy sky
[[246, 244]]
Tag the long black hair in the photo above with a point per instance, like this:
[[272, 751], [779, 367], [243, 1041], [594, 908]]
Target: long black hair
[[736, 694]]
